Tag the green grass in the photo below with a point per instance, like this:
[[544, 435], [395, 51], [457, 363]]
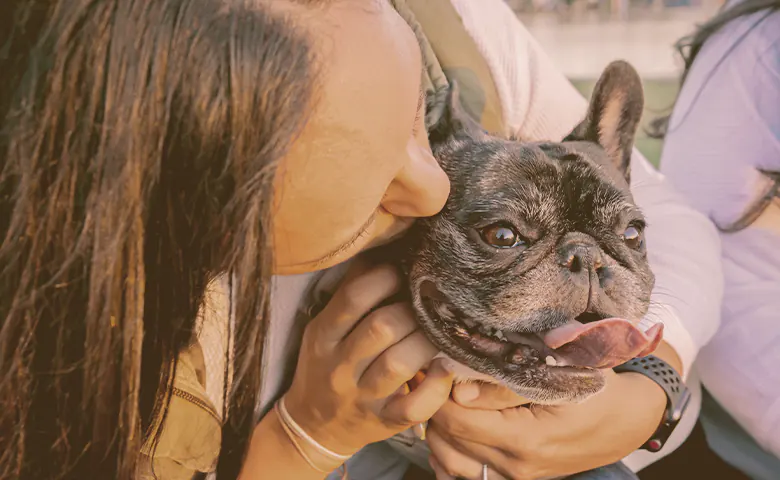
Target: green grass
[[659, 97]]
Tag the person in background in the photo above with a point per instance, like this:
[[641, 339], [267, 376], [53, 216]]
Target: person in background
[[722, 151]]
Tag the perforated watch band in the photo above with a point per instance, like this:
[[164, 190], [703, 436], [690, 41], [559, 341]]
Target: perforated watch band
[[677, 395]]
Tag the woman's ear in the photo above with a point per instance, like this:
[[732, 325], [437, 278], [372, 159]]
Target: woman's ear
[[614, 114], [455, 120]]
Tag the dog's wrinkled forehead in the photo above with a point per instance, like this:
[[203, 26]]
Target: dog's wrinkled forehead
[[569, 185]]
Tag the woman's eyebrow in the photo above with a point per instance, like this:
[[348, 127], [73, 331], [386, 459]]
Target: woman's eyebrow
[[349, 243]]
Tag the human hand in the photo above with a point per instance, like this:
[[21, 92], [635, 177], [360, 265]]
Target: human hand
[[349, 385], [542, 441]]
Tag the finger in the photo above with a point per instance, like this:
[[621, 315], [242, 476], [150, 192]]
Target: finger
[[355, 298], [486, 396], [452, 462], [469, 457], [500, 464], [376, 333], [490, 427], [397, 365], [421, 403], [438, 470]]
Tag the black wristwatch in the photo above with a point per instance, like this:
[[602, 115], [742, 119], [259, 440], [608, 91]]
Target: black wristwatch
[[677, 395]]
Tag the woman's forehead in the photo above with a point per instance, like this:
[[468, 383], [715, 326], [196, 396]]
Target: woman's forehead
[[370, 71]]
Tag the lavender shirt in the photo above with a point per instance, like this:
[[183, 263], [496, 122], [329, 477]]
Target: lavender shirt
[[725, 130]]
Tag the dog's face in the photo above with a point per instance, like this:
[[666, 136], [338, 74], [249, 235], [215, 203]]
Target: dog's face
[[536, 246]]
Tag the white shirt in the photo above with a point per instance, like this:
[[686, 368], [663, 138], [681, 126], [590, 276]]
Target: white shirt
[[540, 104], [725, 128]]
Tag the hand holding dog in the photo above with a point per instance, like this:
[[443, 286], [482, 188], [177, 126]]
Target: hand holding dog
[[349, 385], [484, 424]]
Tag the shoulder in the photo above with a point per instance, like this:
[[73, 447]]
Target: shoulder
[[189, 435], [725, 127], [745, 51], [538, 101]]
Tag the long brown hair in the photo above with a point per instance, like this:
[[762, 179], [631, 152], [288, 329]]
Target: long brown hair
[[138, 145]]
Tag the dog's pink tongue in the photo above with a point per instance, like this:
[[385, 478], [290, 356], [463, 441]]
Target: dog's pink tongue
[[602, 344]]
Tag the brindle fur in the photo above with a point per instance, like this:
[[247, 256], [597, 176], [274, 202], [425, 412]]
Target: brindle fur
[[557, 194]]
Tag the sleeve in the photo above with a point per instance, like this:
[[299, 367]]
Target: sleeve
[[724, 132], [540, 103], [190, 433]]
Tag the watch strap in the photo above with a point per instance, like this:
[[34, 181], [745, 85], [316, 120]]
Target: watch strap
[[677, 395]]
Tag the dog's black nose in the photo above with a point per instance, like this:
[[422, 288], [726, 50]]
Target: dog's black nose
[[580, 257]]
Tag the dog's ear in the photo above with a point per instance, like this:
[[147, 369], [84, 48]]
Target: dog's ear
[[614, 114], [454, 120]]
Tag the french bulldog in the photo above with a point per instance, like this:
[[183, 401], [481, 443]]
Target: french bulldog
[[535, 273]]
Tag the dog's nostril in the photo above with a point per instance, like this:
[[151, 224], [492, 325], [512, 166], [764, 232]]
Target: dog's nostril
[[578, 257]]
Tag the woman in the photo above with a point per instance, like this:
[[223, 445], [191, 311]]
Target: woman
[[162, 160], [721, 150]]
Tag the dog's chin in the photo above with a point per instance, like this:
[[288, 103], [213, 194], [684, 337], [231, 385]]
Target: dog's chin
[[521, 361]]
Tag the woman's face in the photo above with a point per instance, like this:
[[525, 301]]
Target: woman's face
[[362, 169]]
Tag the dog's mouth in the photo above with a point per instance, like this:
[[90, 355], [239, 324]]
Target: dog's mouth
[[588, 342]]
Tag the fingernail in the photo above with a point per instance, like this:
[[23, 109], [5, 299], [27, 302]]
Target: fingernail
[[466, 392]]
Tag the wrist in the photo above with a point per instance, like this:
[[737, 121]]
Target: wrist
[[659, 369], [316, 455], [668, 354], [272, 451], [644, 407], [653, 396]]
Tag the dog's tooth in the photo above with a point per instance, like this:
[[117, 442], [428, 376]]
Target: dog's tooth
[[551, 361], [500, 335], [461, 331]]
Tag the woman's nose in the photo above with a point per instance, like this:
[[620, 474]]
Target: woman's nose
[[420, 189]]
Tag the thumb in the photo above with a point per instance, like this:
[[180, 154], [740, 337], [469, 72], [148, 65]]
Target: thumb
[[486, 396]]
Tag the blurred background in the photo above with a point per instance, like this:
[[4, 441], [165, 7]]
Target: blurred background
[[583, 36]]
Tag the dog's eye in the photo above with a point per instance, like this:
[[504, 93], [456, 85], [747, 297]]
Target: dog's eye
[[633, 238], [500, 235]]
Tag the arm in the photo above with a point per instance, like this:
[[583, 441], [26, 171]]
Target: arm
[[349, 388], [272, 455], [725, 128]]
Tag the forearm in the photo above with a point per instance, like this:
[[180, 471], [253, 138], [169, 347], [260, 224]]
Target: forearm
[[272, 455]]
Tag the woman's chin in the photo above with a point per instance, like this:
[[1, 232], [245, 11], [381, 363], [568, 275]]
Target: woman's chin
[[387, 228], [390, 231]]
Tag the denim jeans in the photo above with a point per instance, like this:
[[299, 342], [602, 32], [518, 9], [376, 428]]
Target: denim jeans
[[616, 471], [381, 461]]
